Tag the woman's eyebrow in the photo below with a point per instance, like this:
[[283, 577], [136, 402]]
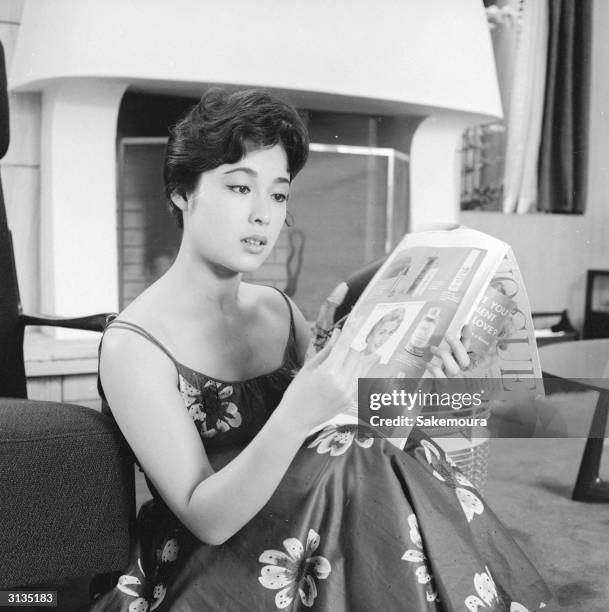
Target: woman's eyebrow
[[252, 172], [242, 169]]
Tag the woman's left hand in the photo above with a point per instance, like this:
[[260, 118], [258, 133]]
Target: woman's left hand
[[324, 323], [454, 360]]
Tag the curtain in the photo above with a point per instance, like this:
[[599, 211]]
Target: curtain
[[525, 109], [563, 156]]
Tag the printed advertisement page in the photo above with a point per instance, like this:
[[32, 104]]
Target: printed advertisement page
[[428, 287]]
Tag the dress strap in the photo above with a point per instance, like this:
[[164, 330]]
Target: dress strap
[[120, 324], [289, 303]]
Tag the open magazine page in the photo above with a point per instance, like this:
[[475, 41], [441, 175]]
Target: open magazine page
[[503, 354], [428, 286], [503, 350], [503, 345]]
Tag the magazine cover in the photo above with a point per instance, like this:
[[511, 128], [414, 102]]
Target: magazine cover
[[435, 284]]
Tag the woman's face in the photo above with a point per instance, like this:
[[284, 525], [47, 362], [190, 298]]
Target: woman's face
[[235, 214], [380, 333]]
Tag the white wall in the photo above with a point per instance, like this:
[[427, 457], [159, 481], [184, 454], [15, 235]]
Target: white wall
[[435, 54], [20, 168], [401, 57], [554, 251]]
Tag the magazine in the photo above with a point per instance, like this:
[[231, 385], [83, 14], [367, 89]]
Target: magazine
[[432, 285]]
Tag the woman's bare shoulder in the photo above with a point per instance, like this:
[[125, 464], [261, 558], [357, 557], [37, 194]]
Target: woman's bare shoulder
[[146, 312], [148, 309], [266, 302], [257, 296], [275, 303]]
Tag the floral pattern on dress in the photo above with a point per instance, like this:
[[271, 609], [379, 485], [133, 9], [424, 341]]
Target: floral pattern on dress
[[337, 439], [158, 594], [295, 572], [192, 399], [210, 406], [417, 556], [471, 504], [139, 605], [169, 552], [127, 583], [298, 576], [486, 597], [518, 607]]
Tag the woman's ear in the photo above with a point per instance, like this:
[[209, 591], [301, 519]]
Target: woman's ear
[[179, 200]]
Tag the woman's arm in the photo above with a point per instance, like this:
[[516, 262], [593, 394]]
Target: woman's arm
[[140, 384]]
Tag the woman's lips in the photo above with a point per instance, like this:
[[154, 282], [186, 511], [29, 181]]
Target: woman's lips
[[254, 244]]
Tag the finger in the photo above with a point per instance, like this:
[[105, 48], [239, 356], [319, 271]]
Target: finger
[[449, 365], [325, 318], [338, 294], [459, 352], [435, 370], [438, 381], [356, 366], [365, 367], [350, 362], [467, 334]]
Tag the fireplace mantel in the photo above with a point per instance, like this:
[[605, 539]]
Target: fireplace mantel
[[428, 59]]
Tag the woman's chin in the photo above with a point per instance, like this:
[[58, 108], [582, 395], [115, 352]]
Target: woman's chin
[[245, 265], [251, 263]]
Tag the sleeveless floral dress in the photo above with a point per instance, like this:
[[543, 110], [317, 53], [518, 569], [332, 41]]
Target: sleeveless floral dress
[[356, 524]]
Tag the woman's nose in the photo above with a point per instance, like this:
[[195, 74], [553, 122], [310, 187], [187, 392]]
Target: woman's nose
[[260, 213]]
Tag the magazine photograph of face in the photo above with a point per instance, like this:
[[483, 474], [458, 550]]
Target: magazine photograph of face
[[384, 328]]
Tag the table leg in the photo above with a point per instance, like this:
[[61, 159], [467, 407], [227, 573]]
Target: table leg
[[588, 486]]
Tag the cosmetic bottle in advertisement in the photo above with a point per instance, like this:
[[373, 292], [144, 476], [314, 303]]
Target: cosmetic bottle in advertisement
[[402, 271], [423, 332], [428, 271]]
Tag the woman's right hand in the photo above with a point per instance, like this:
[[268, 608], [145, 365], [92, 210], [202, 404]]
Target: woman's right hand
[[325, 386]]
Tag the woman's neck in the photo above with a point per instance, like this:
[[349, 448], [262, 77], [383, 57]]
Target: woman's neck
[[201, 287]]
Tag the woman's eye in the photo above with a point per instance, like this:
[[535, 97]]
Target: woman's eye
[[280, 197], [242, 189]]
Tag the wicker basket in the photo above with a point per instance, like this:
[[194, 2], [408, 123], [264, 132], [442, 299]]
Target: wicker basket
[[470, 456], [468, 447]]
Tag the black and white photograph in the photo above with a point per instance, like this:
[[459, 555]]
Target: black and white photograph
[[233, 235]]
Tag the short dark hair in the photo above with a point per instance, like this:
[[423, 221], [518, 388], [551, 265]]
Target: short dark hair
[[217, 131]]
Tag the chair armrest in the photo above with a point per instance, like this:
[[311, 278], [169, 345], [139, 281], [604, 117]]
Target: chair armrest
[[96, 322]]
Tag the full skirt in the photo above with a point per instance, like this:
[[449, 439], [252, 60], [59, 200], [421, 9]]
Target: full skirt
[[356, 524]]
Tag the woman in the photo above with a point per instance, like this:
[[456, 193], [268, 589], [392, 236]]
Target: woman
[[382, 330], [249, 511]]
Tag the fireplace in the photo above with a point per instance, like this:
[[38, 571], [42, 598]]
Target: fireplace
[[381, 64], [349, 206]]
